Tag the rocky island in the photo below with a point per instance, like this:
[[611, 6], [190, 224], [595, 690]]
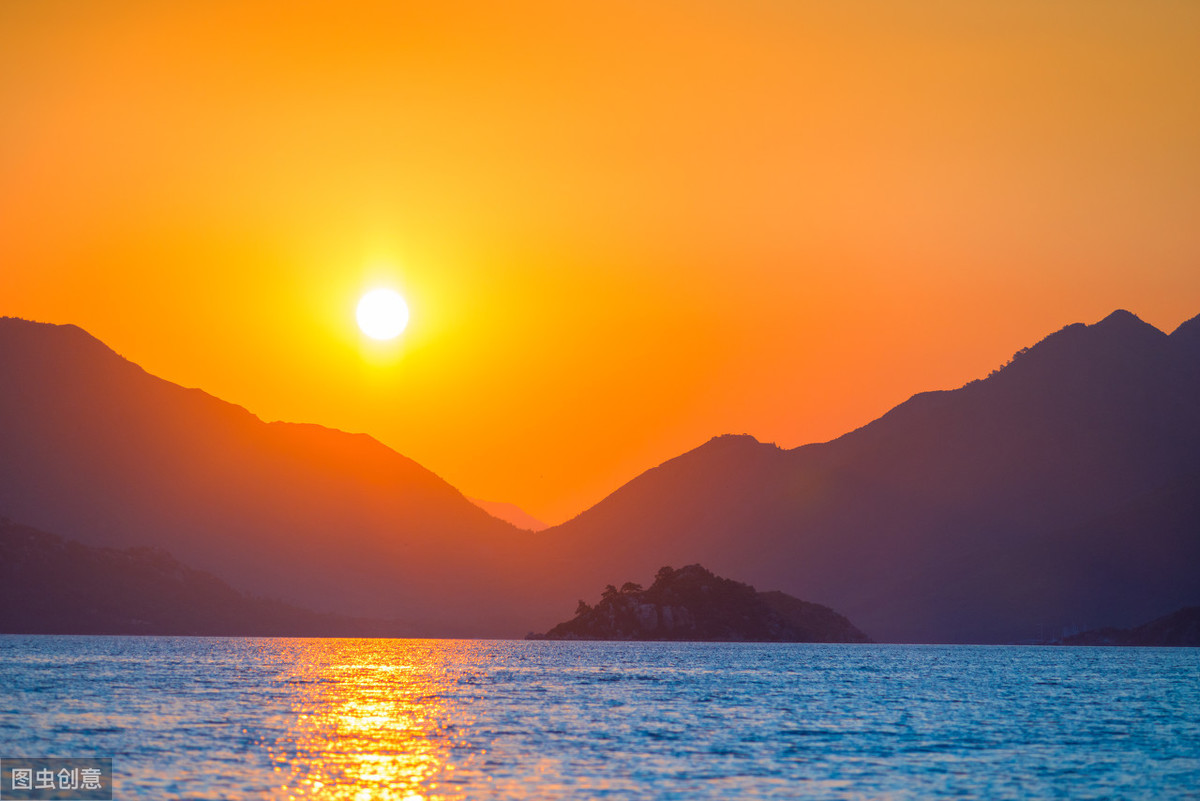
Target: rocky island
[[693, 604]]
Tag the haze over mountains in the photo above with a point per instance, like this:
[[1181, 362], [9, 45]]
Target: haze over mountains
[[511, 513], [1062, 490]]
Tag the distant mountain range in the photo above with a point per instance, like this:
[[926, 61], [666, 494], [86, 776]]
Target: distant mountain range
[[510, 513], [1063, 487], [693, 604], [1180, 629]]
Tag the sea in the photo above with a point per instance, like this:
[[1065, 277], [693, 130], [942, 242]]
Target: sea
[[246, 718]]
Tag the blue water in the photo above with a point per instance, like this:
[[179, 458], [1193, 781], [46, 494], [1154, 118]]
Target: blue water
[[211, 718]]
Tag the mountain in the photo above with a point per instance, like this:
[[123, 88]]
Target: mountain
[[510, 513], [1180, 629], [692, 604], [1062, 487], [97, 450], [49, 585]]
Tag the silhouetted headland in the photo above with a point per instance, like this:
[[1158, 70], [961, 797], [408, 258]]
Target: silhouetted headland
[[1180, 629]]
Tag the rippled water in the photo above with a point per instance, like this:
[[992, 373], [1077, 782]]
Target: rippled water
[[414, 719]]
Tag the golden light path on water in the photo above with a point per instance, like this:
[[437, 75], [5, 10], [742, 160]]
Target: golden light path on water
[[376, 719]]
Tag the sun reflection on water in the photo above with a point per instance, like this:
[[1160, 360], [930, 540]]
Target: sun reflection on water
[[378, 719]]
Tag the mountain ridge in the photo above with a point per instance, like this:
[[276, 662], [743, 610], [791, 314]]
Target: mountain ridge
[[98, 450], [49, 585], [885, 521], [1180, 629], [901, 523]]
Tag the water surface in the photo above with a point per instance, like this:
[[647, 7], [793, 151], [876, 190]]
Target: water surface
[[214, 718]]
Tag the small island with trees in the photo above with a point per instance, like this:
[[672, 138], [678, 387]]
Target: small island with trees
[[693, 604]]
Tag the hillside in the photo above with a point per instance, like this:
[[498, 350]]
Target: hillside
[[97, 450], [49, 585], [692, 604], [1062, 487], [1180, 629]]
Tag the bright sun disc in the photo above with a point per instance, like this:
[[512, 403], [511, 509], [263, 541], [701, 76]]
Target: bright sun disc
[[382, 314]]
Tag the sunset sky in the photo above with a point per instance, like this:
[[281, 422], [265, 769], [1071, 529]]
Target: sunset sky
[[621, 227]]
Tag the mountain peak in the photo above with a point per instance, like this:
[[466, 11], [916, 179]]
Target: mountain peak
[[1125, 322], [37, 346], [1121, 332], [734, 439], [1120, 315], [736, 443], [64, 332]]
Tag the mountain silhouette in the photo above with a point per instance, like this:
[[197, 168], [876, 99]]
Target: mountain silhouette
[[1062, 487], [1180, 629], [49, 585], [510, 513], [97, 450]]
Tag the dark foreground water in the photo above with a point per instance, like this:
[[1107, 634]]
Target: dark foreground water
[[415, 719]]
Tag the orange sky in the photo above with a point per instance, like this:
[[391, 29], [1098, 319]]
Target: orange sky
[[622, 227]]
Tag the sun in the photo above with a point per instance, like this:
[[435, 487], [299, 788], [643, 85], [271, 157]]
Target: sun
[[382, 314]]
